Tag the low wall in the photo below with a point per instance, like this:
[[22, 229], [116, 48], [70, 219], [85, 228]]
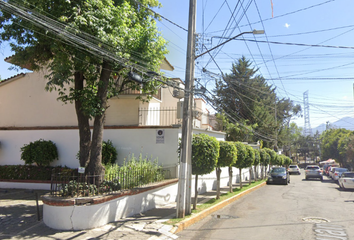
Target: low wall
[[92, 212]]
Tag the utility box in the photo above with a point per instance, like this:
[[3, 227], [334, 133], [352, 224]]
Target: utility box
[[179, 110]]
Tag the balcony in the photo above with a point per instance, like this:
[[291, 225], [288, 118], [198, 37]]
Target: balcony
[[168, 117]]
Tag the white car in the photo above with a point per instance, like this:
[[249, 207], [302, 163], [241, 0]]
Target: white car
[[338, 172], [346, 180], [294, 169]]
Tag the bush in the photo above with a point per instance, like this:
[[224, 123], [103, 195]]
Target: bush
[[22, 172], [109, 153], [40, 152]]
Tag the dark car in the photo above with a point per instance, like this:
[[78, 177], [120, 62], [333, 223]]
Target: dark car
[[278, 175]]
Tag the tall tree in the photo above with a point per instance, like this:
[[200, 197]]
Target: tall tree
[[247, 97], [120, 28]]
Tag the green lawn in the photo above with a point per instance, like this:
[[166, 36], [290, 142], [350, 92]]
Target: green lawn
[[214, 201]]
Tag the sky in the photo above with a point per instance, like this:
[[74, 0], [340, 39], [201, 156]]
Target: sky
[[308, 46], [313, 52]]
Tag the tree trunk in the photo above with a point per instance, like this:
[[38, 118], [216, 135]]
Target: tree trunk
[[250, 175], [218, 172], [83, 124], [240, 171], [255, 173], [230, 180], [195, 193], [95, 166]]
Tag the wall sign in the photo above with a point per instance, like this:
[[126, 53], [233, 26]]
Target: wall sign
[[160, 136]]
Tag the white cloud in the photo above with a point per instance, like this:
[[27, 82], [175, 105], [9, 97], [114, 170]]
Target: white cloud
[[287, 25]]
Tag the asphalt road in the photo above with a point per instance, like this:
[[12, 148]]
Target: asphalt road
[[304, 209]]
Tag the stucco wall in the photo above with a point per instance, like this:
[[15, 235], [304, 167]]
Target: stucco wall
[[126, 141], [24, 102]]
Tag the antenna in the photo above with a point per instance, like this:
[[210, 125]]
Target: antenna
[[307, 127]]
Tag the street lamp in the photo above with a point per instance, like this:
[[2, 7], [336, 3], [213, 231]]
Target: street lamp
[[185, 170], [253, 32]]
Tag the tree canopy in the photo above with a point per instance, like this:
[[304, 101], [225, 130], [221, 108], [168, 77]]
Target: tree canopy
[[124, 36], [247, 97]]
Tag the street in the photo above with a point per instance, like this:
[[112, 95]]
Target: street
[[304, 209]]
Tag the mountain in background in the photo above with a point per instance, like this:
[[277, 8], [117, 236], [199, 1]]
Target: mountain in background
[[346, 122]]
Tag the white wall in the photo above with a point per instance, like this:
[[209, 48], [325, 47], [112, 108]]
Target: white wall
[[67, 142], [71, 217], [126, 141]]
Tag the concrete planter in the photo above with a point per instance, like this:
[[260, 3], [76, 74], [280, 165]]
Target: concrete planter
[[92, 212]]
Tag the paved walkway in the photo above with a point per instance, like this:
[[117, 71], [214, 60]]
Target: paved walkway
[[19, 220]]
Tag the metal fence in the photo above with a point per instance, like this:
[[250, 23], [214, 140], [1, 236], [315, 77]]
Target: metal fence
[[74, 184], [158, 116]]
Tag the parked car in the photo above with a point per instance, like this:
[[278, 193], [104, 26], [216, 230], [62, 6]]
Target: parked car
[[331, 171], [278, 175], [328, 168], [294, 169], [313, 171], [338, 172], [346, 180]]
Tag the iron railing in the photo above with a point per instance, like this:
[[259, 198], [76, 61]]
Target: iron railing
[[158, 116], [74, 184]]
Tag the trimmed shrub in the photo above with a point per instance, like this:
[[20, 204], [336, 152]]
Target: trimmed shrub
[[23, 172], [109, 153], [40, 152]]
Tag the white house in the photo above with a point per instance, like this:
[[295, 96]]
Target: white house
[[29, 113]]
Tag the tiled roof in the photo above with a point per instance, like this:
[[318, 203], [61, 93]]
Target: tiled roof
[[12, 78]]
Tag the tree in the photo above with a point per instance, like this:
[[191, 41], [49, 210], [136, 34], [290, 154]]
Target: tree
[[247, 97], [265, 160], [250, 160], [257, 160], [272, 154], [205, 154], [242, 155], [227, 158], [329, 143], [124, 29]]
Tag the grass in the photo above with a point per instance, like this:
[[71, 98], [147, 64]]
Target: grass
[[214, 201]]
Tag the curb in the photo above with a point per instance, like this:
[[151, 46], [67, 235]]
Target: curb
[[199, 216]]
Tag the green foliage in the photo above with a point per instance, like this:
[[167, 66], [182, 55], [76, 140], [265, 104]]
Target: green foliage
[[273, 156], [133, 173], [144, 171], [227, 154], [25, 172], [333, 144], [40, 152], [109, 153], [235, 91], [257, 157], [205, 154], [265, 157], [242, 155], [286, 160], [125, 38], [251, 156]]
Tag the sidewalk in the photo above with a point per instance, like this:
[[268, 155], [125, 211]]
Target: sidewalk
[[19, 220]]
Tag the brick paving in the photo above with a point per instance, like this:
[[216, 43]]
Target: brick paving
[[19, 220]]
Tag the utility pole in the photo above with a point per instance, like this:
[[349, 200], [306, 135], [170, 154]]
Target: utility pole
[[185, 171]]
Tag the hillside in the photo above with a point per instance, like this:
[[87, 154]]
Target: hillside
[[346, 122]]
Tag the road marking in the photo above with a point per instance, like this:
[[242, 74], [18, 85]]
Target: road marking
[[328, 231]]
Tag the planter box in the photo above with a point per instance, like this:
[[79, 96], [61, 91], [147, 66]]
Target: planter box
[[91, 212]]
